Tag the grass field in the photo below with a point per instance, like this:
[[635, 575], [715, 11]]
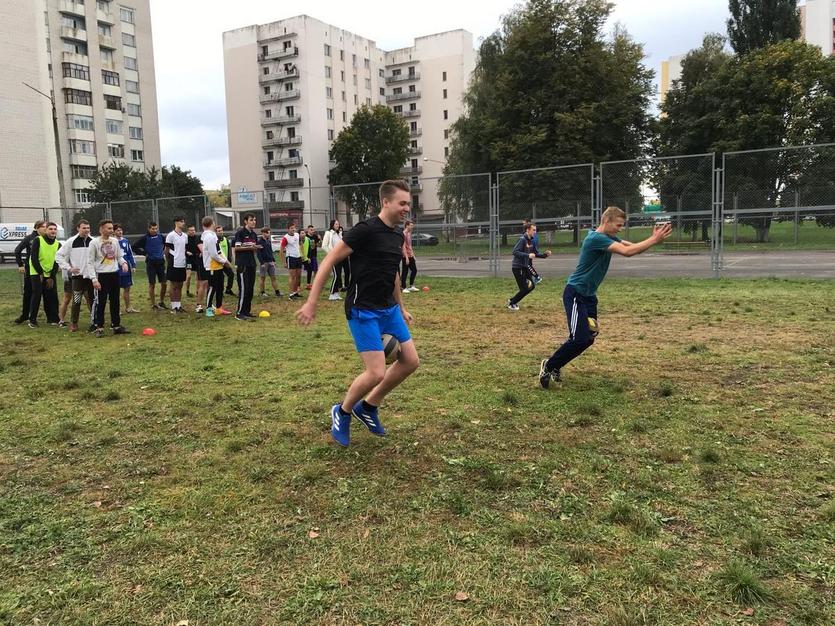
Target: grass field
[[682, 473]]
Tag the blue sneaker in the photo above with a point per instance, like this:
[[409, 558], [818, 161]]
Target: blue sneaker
[[340, 425], [371, 419]]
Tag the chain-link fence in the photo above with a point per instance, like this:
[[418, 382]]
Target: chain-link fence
[[132, 215], [780, 198]]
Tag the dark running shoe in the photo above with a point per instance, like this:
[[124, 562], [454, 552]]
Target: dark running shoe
[[120, 330], [546, 376]]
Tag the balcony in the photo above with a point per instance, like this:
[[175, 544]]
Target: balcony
[[416, 151], [288, 162], [281, 96], [281, 120], [105, 16], [400, 78], [75, 34], [75, 8], [273, 77], [72, 57], [406, 95], [106, 42], [276, 37], [275, 55], [416, 187], [286, 205], [412, 113], [416, 133], [284, 183], [282, 141], [411, 171]]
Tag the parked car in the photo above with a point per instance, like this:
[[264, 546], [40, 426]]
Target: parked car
[[424, 239], [275, 240]]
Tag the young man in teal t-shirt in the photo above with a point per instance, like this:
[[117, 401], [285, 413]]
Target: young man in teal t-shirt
[[580, 295]]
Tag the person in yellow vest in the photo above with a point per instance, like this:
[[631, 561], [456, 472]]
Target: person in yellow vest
[[42, 272], [223, 242]]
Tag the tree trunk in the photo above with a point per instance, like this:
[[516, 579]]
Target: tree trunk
[[762, 234]]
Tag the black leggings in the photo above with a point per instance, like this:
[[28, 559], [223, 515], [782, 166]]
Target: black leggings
[[411, 266], [109, 283], [50, 299], [214, 294], [524, 281]]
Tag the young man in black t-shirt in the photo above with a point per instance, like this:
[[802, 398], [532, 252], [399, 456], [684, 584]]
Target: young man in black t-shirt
[[245, 244], [373, 307]]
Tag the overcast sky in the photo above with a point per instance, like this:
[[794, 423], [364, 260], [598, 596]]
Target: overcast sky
[[188, 51]]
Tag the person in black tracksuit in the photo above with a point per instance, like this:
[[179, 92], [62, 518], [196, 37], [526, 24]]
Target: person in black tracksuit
[[21, 255], [244, 244], [523, 253]]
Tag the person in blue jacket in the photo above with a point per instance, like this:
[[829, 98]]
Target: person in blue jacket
[[523, 254], [152, 246], [125, 277]]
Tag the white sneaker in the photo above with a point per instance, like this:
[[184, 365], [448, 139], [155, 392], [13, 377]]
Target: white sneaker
[[407, 290], [413, 288], [334, 296]]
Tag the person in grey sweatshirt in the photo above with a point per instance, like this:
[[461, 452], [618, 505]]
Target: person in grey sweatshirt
[[103, 262]]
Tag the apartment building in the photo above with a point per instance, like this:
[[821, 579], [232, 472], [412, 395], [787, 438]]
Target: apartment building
[[95, 59], [817, 19], [294, 84]]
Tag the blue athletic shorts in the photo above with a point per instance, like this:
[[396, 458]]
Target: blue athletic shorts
[[155, 268], [126, 280], [369, 325]]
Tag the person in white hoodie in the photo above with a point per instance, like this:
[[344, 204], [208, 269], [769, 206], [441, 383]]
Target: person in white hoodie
[[213, 265], [72, 259], [103, 261], [332, 237]]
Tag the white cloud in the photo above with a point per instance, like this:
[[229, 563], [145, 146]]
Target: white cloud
[[188, 52]]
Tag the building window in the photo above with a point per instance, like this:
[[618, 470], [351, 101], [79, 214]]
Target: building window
[[291, 132], [270, 156], [129, 40], [287, 45], [103, 6], [116, 151], [294, 174], [114, 103], [131, 86], [444, 94], [367, 63], [413, 106], [106, 56], [80, 122], [327, 71], [135, 132], [268, 113], [342, 74], [356, 100], [330, 134], [368, 83], [130, 63], [413, 143], [327, 50], [73, 70], [446, 114], [271, 175], [288, 86], [110, 78], [330, 114], [355, 80], [134, 109], [267, 90], [446, 151], [269, 134], [382, 73], [413, 127], [412, 89], [344, 116], [114, 127], [290, 111], [354, 60], [294, 196], [329, 93], [82, 196], [137, 155], [126, 15], [105, 30], [446, 134], [71, 21], [444, 77], [341, 55], [75, 47], [76, 96], [368, 101], [382, 91], [293, 153], [398, 108], [84, 171], [79, 146]]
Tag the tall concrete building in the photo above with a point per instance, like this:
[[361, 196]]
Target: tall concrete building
[[294, 84], [817, 18], [95, 59], [670, 71]]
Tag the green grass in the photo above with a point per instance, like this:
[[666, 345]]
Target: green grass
[[191, 476]]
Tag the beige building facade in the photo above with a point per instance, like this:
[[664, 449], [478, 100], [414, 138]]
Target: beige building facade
[[95, 59], [293, 85], [817, 18]]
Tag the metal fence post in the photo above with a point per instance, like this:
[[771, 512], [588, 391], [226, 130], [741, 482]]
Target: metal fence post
[[494, 225], [716, 247], [796, 214], [736, 215]]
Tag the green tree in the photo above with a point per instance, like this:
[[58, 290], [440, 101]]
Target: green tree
[[549, 89], [373, 148], [756, 24], [220, 198]]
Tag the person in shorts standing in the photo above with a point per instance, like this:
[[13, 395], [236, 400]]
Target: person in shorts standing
[[409, 264], [291, 251], [175, 247], [152, 245], [125, 278], [266, 259]]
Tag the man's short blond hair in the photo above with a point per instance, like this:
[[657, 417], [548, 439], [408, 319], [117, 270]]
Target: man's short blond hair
[[391, 187], [612, 213]]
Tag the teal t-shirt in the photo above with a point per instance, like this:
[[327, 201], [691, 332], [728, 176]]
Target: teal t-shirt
[[593, 263]]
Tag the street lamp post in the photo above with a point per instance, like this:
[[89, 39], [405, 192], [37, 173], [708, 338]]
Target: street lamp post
[[61, 195], [309, 193]]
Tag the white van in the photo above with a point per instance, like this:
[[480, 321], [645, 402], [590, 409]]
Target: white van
[[11, 234]]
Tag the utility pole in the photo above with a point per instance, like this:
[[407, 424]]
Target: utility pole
[[61, 193]]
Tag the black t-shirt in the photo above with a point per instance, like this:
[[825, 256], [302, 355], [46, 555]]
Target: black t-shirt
[[314, 244], [375, 261], [191, 246], [245, 258]]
